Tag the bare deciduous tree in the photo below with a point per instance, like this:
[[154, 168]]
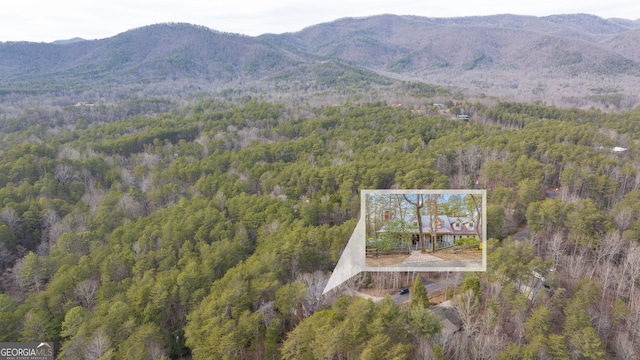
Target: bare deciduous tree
[[67, 152], [557, 247], [467, 307], [576, 266], [64, 174], [11, 218], [203, 140], [97, 345], [623, 219], [93, 197], [86, 292], [314, 284], [607, 274], [623, 346], [485, 347], [49, 219], [130, 205], [631, 267]]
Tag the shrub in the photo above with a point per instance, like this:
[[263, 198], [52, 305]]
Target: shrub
[[468, 241]]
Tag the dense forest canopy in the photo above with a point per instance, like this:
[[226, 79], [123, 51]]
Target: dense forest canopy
[[209, 231]]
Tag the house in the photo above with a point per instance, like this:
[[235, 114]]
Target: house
[[82, 103], [448, 229], [451, 322]]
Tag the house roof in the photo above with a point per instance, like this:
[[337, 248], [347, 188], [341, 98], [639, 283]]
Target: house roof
[[450, 320], [446, 225]]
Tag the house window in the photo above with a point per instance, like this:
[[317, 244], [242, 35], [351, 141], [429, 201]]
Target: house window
[[456, 226], [470, 225]]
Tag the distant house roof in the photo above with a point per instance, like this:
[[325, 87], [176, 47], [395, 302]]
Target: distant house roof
[[450, 320]]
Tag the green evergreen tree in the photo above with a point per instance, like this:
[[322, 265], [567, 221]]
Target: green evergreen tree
[[472, 282], [419, 295]]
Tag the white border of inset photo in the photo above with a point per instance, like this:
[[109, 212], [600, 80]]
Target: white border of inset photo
[[353, 258], [417, 246]]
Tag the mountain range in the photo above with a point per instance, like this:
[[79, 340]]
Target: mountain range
[[569, 60]]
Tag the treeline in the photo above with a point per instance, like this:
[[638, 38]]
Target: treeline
[[210, 230]]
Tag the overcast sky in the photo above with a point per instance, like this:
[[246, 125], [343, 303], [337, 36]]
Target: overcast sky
[[49, 20]]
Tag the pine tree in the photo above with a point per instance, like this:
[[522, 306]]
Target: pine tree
[[419, 296], [473, 283]]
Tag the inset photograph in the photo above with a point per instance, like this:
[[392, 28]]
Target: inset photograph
[[431, 230]]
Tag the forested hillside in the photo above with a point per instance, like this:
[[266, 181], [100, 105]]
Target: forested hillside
[[574, 60], [209, 231]]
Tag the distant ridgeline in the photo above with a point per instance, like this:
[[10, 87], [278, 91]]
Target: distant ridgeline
[[572, 61]]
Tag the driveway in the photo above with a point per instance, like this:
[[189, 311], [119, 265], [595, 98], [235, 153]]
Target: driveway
[[432, 286]]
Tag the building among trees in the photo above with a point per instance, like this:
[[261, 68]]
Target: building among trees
[[448, 229], [421, 221]]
